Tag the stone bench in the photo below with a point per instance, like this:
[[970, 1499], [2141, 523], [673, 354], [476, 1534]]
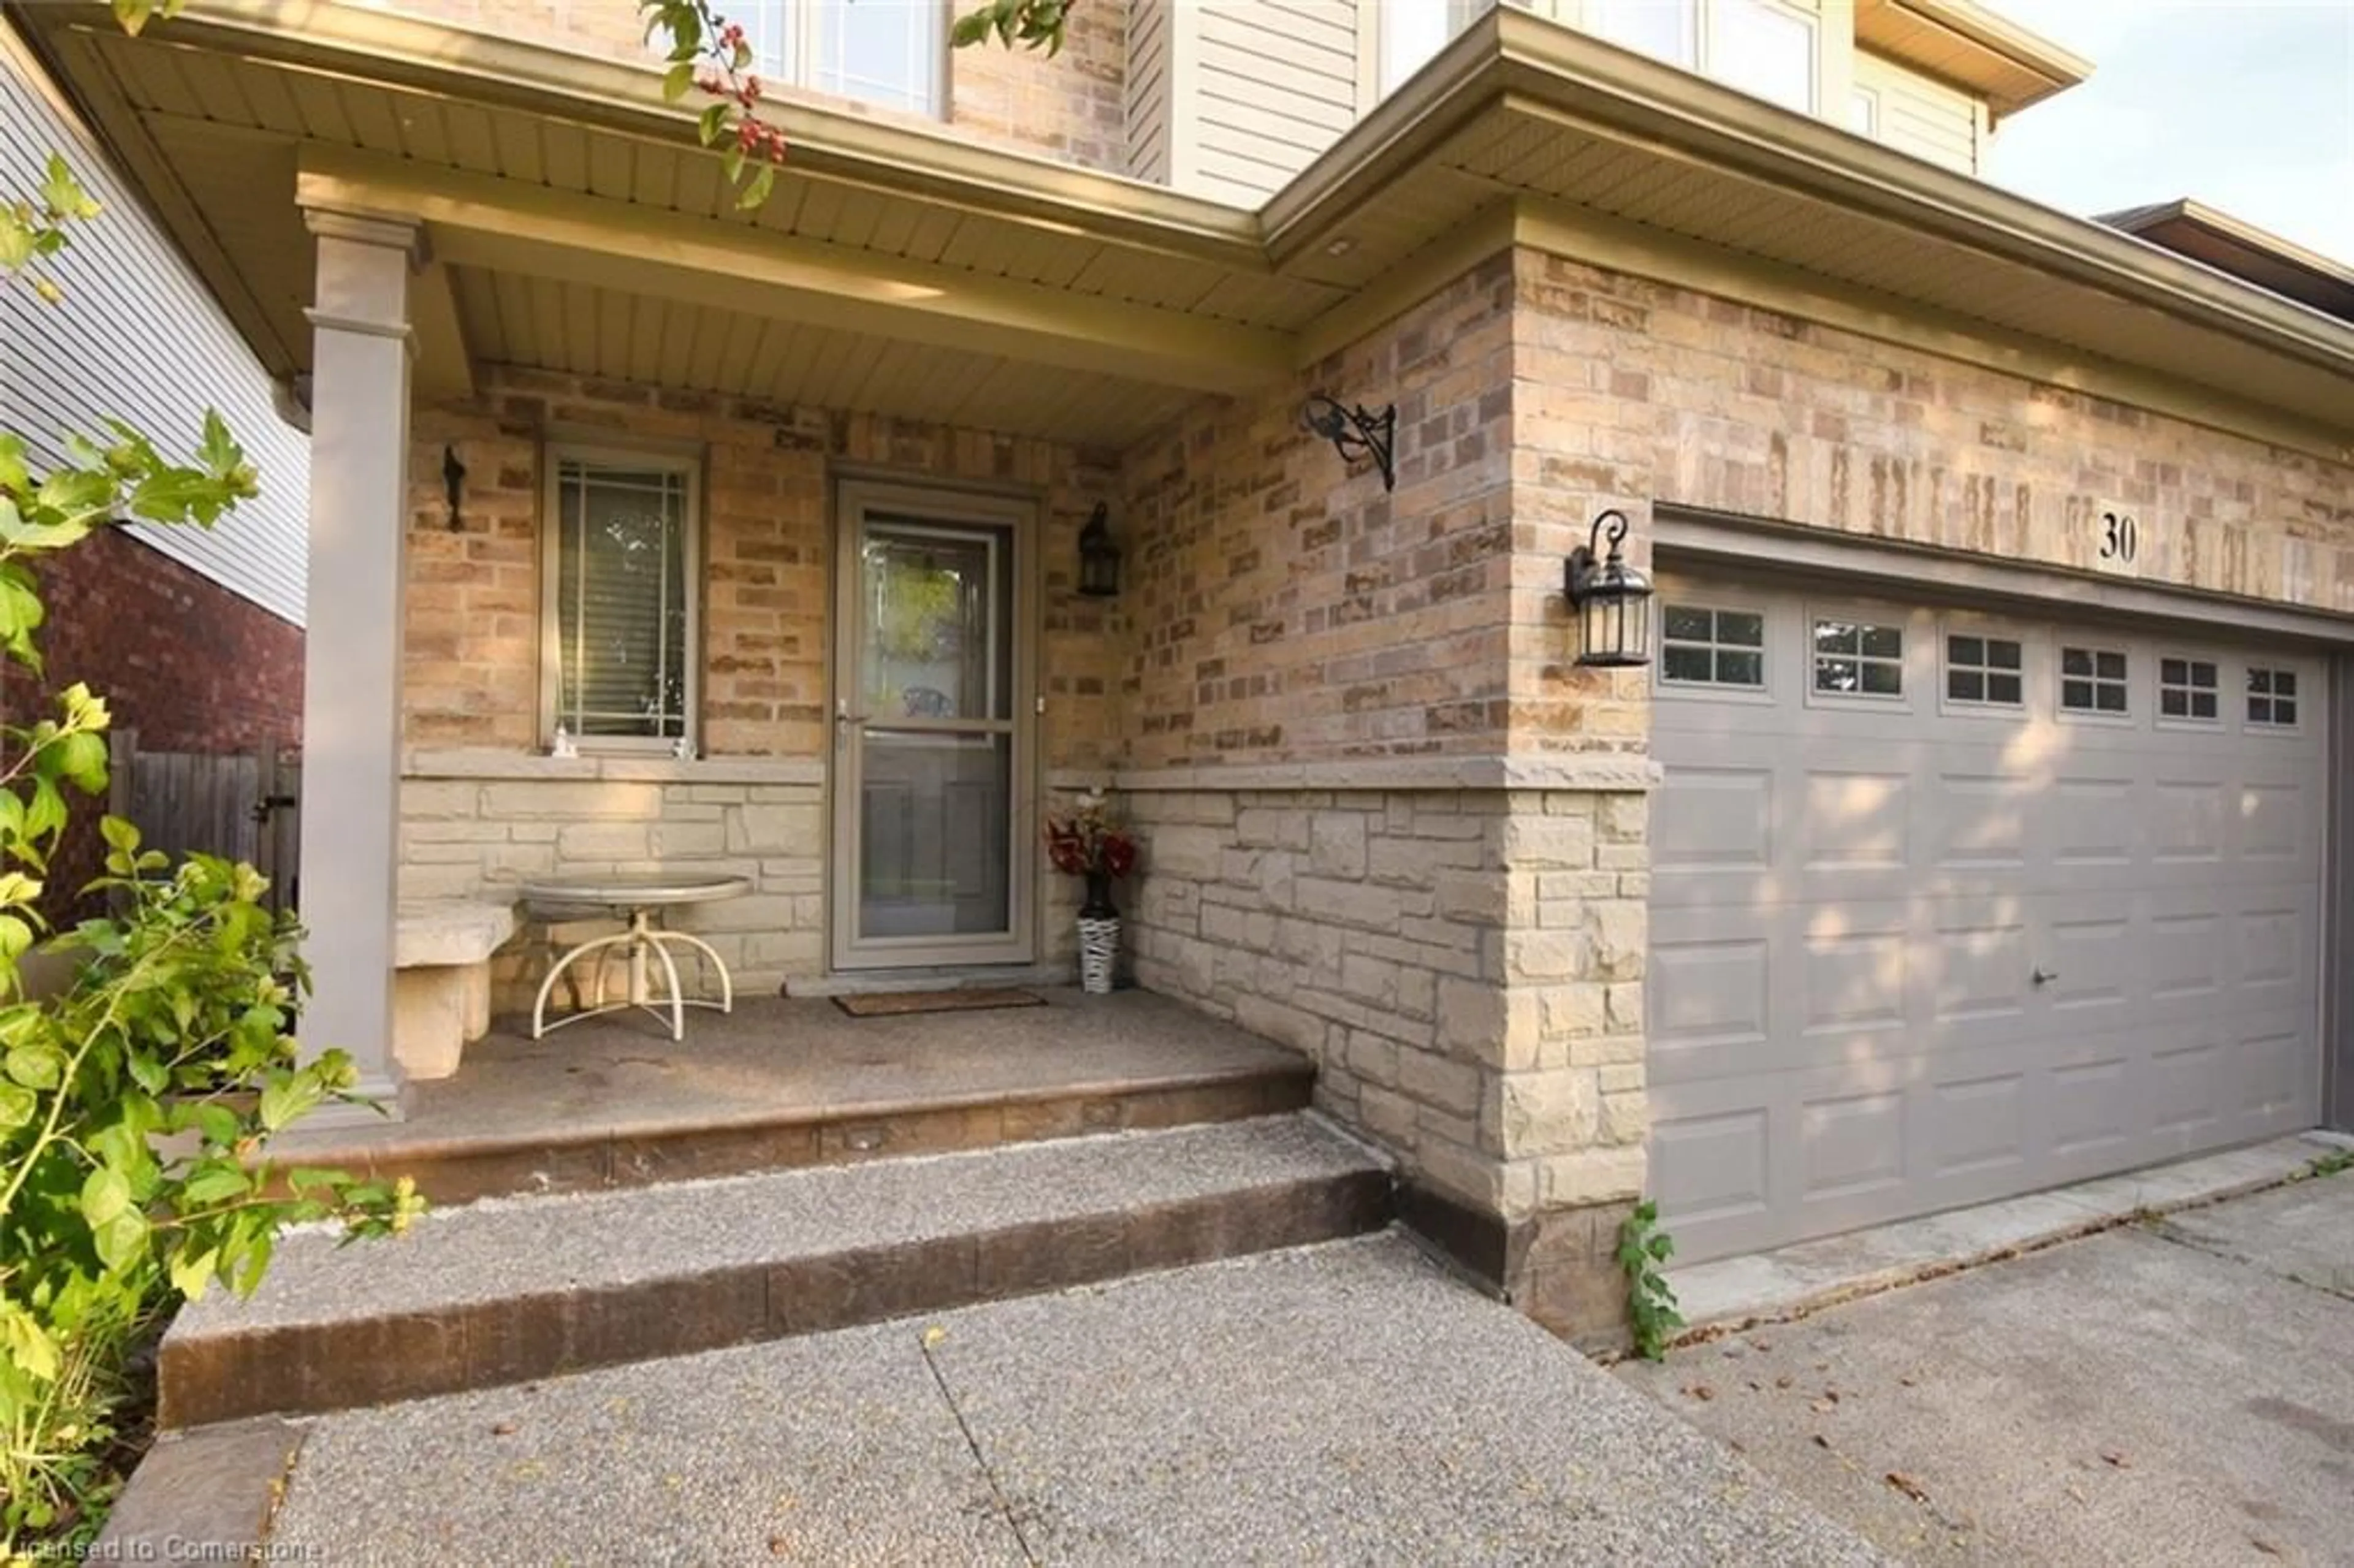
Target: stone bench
[[442, 984]]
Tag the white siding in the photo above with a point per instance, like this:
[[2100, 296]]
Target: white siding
[[139, 339], [1263, 86], [1149, 63], [1922, 116]]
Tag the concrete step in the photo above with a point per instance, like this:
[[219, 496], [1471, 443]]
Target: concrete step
[[508, 1291], [515, 1156]]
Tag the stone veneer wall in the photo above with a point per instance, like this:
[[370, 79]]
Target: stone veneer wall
[[1464, 961], [473, 824]]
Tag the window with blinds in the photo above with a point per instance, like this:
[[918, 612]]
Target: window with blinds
[[619, 619]]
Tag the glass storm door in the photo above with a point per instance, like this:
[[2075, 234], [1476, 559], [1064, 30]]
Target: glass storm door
[[932, 731]]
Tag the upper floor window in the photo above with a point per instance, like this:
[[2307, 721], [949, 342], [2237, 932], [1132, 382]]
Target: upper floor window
[[890, 52], [1410, 33], [1863, 111], [1762, 46], [618, 619]]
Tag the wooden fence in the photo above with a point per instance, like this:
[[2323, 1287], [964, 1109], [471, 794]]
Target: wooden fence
[[243, 806]]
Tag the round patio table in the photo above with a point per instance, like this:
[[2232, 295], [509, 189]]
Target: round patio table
[[638, 899]]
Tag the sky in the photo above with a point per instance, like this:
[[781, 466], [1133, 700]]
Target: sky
[[2245, 105]]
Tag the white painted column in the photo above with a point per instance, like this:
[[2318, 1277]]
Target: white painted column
[[350, 671]]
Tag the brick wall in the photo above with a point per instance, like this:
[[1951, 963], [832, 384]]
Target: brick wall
[[1070, 108], [472, 647], [1630, 392], [1288, 609], [178, 658], [471, 650]]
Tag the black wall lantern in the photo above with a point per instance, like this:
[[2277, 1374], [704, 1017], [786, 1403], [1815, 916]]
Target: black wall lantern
[[454, 483], [1612, 600], [1355, 433], [1098, 556]]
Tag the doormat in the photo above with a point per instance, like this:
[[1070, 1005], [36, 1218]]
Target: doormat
[[898, 1004]]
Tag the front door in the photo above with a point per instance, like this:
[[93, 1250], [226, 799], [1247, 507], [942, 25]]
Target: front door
[[932, 729]]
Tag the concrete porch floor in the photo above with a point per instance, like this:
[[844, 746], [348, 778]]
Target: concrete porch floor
[[786, 1082]]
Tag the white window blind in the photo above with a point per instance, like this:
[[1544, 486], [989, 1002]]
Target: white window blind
[[621, 613]]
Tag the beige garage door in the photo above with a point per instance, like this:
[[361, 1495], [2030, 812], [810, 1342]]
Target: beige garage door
[[1949, 905]]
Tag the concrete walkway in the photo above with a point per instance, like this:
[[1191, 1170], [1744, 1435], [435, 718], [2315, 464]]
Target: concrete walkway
[[2178, 1391], [1342, 1403]]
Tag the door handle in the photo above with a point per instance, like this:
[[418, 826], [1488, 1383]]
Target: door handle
[[2043, 976]]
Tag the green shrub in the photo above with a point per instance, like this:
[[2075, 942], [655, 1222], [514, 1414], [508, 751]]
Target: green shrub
[[136, 1104]]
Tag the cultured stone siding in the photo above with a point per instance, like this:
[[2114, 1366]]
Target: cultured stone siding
[[474, 827], [1071, 108], [1466, 966]]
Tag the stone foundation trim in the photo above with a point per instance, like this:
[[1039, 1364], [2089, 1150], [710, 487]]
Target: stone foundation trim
[[488, 763], [1559, 1266], [1600, 773]]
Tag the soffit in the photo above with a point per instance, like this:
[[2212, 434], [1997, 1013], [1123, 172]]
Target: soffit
[[511, 318]]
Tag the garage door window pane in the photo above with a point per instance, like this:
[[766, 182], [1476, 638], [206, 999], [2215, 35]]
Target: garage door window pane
[[1713, 647], [2272, 698], [1983, 669], [2093, 681], [1857, 659], [2187, 689]]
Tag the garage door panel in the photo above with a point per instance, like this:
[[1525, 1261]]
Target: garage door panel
[[2092, 822], [1713, 818], [1852, 903], [2092, 1108]]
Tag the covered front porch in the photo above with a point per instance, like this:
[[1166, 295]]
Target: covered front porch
[[652, 534]]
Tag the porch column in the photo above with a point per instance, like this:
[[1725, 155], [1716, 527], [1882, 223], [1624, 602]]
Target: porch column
[[351, 670]]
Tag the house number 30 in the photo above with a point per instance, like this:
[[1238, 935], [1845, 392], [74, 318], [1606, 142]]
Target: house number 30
[[2120, 537], [2117, 540]]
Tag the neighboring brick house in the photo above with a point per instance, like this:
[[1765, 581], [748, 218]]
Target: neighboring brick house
[[1971, 829], [194, 639]]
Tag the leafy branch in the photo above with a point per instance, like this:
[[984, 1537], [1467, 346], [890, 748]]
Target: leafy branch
[[708, 54]]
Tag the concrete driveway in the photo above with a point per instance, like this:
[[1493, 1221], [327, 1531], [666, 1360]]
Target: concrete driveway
[[2176, 1391]]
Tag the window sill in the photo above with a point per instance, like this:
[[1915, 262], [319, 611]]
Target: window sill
[[610, 768]]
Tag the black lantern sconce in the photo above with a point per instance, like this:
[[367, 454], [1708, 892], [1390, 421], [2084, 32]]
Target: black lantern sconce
[[453, 484], [1098, 556], [1355, 433], [1611, 599]]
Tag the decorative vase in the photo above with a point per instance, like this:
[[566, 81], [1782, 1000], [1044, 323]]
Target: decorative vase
[[1099, 936]]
